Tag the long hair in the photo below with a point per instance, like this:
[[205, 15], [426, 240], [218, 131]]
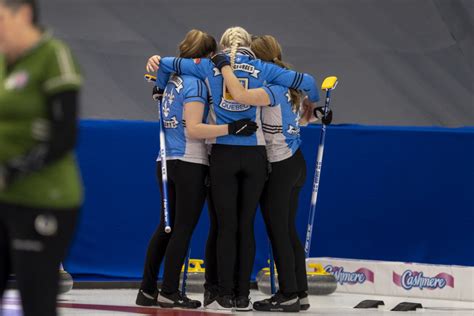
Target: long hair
[[233, 38], [197, 44], [267, 48]]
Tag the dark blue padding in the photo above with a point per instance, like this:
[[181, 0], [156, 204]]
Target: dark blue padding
[[386, 193]]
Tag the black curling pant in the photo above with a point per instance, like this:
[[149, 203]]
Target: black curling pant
[[279, 204], [211, 248], [186, 197], [238, 174], [33, 242]]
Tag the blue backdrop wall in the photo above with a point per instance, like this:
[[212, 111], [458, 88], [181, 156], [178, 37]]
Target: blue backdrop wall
[[387, 193]]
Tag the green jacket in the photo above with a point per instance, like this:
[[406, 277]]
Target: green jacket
[[46, 69]]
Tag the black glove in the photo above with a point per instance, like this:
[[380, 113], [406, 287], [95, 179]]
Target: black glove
[[244, 127], [157, 93], [221, 60], [319, 113]]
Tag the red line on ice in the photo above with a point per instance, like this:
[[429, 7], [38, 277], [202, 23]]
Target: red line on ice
[[150, 311]]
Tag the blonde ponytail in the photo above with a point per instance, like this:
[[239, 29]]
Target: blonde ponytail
[[234, 44], [233, 38]]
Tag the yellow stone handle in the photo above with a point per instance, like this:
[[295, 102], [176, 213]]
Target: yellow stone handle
[[150, 78], [195, 265], [318, 269]]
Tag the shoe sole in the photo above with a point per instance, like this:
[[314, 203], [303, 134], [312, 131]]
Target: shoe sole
[[216, 306], [246, 309], [282, 309], [169, 305], [145, 303], [206, 303], [304, 307]]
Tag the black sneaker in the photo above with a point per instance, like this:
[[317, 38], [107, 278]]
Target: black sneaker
[[243, 303], [177, 300], [279, 303], [304, 301], [145, 299], [209, 297], [225, 302]]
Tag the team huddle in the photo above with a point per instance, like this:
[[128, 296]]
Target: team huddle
[[232, 123]]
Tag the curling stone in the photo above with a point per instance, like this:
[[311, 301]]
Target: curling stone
[[263, 281], [196, 276], [65, 282], [260, 273], [320, 282]]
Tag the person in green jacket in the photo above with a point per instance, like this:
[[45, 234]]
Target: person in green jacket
[[40, 185]]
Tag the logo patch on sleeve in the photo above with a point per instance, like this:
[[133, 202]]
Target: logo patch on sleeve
[[17, 81], [197, 60]]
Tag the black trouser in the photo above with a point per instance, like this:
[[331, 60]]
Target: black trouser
[[211, 248], [279, 205], [238, 174], [186, 197], [33, 242]]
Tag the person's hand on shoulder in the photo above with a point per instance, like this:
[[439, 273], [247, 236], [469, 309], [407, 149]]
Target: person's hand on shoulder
[[153, 63], [220, 60]]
